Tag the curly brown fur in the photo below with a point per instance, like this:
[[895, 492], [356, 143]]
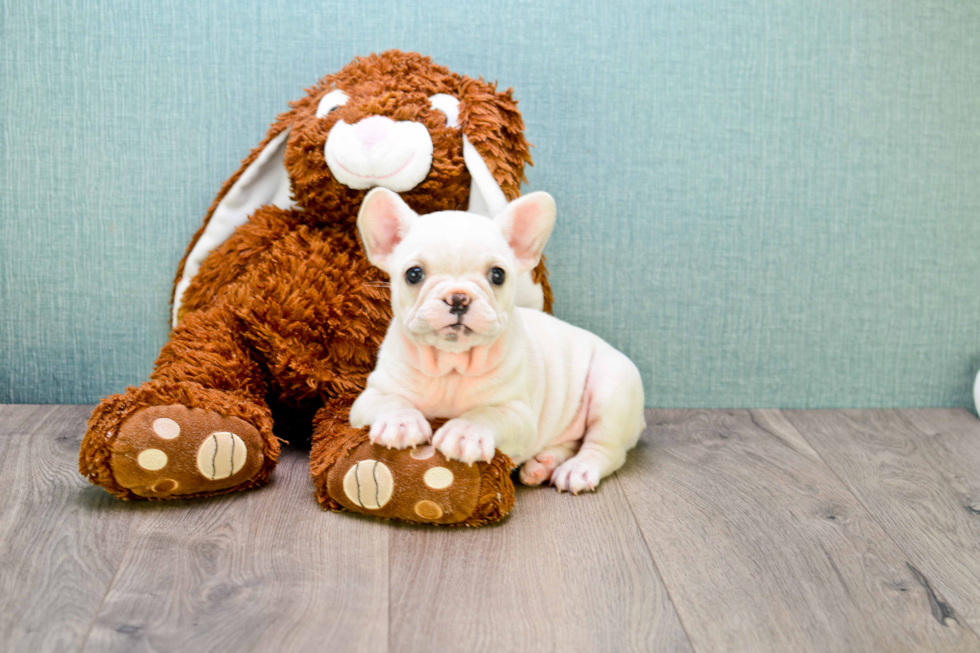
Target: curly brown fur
[[287, 311], [496, 492]]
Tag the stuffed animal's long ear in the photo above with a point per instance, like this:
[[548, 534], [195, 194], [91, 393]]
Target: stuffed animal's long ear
[[494, 148], [383, 221], [262, 180], [527, 223]]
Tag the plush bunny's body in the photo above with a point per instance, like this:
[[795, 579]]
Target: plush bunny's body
[[276, 309]]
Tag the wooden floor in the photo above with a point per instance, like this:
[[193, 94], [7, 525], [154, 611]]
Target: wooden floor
[[726, 531]]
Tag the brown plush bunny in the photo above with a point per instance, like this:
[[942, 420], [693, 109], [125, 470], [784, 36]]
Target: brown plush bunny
[[276, 309]]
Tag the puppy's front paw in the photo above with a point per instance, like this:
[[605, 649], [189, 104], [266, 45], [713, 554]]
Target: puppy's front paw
[[399, 429], [576, 476], [465, 441]]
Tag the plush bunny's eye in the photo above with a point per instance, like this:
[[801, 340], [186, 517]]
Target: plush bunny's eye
[[449, 106], [497, 276], [331, 101], [414, 275]]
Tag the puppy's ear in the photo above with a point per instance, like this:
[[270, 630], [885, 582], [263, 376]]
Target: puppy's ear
[[527, 223], [383, 221]]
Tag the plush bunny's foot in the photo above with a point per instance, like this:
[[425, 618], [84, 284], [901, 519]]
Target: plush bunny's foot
[[415, 485], [169, 451], [208, 443]]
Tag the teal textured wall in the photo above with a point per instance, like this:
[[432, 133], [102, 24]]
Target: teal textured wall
[[764, 203]]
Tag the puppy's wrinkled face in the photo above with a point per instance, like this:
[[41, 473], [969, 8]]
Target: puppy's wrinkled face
[[453, 280], [454, 274]]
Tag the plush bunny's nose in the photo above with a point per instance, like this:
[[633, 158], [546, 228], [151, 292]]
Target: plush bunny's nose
[[379, 151], [373, 130]]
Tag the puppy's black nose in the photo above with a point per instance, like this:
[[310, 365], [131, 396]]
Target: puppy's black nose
[[460, 304]]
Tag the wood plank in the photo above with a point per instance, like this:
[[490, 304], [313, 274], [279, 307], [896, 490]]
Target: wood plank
[[760, 544], [918, 473], [61, 539], [259, 570], [562, 573], [20, 419], [763, 548]]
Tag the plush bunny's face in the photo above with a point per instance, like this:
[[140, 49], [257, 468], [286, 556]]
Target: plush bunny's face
[[399, 121], [379, 151]]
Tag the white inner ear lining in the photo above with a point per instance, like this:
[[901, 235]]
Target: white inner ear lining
[[265, 182], [486, 196]]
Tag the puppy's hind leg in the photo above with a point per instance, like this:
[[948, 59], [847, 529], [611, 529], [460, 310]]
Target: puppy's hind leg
[[537, 470], [612, 427]]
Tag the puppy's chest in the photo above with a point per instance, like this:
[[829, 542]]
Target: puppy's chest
[[452, 395]]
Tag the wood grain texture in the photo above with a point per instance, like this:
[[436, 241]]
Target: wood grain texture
[[562, 573], [726, 530], [918, 472], [61, 539], [18, 420], [259, 570], [762, 548]]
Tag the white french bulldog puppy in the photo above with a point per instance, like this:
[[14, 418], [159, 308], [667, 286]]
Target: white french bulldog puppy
[[553, 397]]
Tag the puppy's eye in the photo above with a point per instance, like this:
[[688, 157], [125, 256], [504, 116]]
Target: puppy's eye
[[497, 276], [414, 275]]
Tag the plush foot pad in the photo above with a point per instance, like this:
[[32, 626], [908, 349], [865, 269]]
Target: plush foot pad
[[168, 451], [420, 485]]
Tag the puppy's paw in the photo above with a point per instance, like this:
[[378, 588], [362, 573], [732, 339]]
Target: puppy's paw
[[465, 441], [576, 476], [400, 429], [539, 469]]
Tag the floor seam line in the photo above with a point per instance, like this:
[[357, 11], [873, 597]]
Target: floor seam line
[[653, 560]]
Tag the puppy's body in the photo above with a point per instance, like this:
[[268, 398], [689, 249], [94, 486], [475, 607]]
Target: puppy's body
[[550, 395]]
